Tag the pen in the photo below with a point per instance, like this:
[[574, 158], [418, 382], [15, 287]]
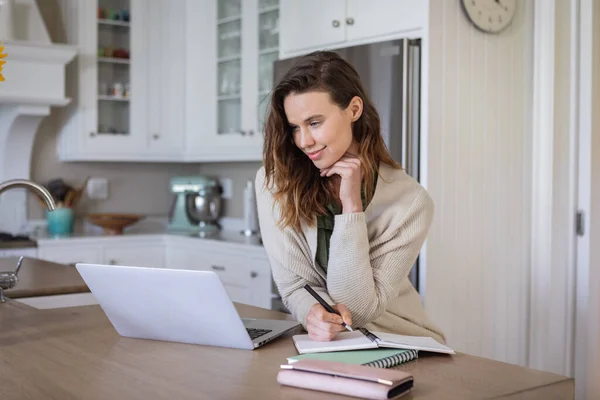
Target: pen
[[324, 304]]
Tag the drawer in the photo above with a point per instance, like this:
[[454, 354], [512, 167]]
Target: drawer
[[232, 270], [135, 255], [72, 255]]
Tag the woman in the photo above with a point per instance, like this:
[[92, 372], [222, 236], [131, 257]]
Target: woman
[[335, 210]]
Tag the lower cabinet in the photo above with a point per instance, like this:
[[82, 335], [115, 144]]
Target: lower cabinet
[[246, 278], [70, 253], [244, 270], [137, 255]]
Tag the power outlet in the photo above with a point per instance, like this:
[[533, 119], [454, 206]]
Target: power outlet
[[227, 185], [97, 188]]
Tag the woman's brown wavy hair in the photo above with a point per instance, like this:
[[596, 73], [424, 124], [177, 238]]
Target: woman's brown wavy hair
[[297, 187]]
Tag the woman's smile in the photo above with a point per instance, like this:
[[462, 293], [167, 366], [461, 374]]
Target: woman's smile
[[315, 155]]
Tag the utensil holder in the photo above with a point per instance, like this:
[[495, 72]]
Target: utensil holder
[[60, 221]]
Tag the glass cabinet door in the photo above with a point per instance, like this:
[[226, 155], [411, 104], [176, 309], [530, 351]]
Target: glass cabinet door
[[268, 52], [229, 66], [114, 78]]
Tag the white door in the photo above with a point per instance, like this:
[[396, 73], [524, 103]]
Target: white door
[[117, 122], [165, 44], [228, 45], [312, 24], [367, 19]]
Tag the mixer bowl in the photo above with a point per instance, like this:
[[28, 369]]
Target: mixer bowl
[[203, 208]]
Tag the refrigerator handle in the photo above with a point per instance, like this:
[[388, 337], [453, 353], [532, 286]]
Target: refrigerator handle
[[413, 108]]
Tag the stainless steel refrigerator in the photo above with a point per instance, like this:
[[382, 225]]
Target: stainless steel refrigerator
[[391, 74]]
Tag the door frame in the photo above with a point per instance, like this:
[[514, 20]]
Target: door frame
[[581, 316], [586, 312]]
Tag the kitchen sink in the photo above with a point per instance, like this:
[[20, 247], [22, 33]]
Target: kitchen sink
[[59, 301]]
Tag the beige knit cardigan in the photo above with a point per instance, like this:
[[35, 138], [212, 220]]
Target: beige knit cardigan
[[371, 254]]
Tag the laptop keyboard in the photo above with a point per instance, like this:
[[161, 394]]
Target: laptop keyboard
[[254, 333]]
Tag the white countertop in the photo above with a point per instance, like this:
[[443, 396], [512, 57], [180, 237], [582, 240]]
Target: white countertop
[[231, 232]]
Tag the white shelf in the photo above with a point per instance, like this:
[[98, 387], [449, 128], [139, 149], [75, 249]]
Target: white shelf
[[228, 59], [229, 19], [265, 10], [229, 97], [111, 22], [112, 98], [113, 60], [269, 50]]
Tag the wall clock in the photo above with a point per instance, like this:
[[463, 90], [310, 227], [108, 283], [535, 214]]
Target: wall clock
[[491, 16]]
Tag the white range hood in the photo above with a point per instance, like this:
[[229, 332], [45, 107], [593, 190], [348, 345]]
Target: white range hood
[[34, 82]]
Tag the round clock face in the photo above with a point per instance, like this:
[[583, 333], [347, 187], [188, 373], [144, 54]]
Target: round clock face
[[490, 15]]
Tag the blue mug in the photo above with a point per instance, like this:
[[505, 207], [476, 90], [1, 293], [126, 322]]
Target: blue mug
[[60, 221]]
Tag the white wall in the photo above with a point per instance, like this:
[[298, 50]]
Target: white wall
[[479, 173]]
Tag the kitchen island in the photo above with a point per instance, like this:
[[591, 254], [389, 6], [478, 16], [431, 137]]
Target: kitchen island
[[74, 353], [42, 278]]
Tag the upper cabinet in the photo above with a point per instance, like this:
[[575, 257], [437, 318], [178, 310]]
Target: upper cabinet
[[229, 76], [341, 23], [128, 81], [303, 28], [190, 80]]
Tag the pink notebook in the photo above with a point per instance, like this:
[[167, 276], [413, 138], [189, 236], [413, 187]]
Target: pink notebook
[[347, 379]]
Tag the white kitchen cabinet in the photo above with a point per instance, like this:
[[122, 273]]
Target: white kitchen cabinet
[[146, 251], [246, 277], [136, 255], [244, 270], [230, 47], [341, 23], [246, 280], [165, 51], [303, 28], [128, 109], [67, 253]]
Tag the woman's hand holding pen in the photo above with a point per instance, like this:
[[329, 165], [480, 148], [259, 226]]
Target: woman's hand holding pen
[[348, 168], [323, 326]]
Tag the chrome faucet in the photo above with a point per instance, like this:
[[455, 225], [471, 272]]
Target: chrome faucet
[[34, 187], [9, 279]]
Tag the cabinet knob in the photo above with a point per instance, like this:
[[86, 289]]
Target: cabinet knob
[[112, 262], [251, 132], [253, 274], [218, 267], [350, 21], [92, 134], [335, 23], [155, 136], [243, 133]]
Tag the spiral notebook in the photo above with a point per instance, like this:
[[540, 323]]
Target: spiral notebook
[[379, 358]]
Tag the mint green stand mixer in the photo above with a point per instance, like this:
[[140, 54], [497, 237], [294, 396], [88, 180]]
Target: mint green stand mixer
[[197, 205]]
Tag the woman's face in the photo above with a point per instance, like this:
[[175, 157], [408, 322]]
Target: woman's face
[[321, 129]]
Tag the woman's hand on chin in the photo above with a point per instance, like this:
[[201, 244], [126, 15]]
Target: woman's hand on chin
[[348, 168]]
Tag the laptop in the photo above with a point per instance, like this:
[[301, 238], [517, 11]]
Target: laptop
[[175, 305]]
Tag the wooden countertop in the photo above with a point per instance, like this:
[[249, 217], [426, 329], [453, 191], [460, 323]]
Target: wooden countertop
[[42, 278], [74, 353]]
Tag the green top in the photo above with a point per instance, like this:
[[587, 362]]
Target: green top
[[325, 224]]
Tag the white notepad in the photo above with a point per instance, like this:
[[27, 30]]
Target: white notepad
[[357, 340]]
